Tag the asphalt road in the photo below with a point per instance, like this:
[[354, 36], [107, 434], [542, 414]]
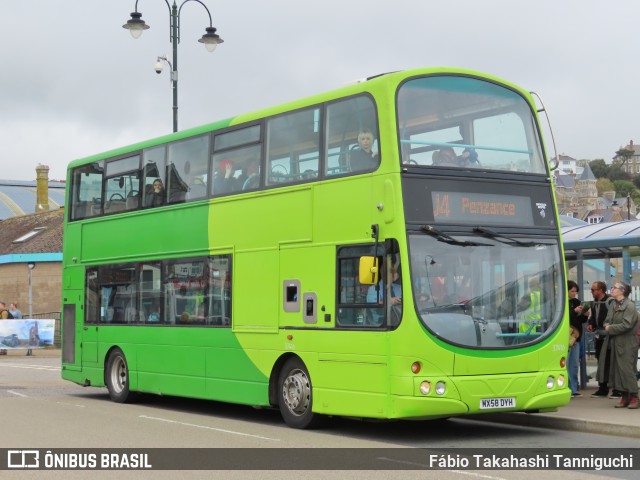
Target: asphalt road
[[39, 410]]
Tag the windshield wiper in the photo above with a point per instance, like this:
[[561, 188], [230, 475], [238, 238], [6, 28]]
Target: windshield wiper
[[443, 237], [504, 239]]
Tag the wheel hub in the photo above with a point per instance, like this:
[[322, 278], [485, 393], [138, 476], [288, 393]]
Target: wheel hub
[[296, 392]]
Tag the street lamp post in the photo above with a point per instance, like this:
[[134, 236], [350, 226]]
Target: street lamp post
[[629, 206], [31, 266], [210, 40]]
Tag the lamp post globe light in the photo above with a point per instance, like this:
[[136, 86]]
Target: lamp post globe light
[[136, 25]]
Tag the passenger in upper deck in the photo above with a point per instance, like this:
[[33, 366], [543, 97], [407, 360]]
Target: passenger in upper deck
[[224, 181], [445, 157], [155, 196], [249, 179], [363, 157], [469, 158]]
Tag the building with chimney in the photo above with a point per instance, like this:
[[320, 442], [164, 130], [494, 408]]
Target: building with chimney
[[31, 218], [628, 157], [577, 197]]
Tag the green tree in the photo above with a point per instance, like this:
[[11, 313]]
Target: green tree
[[604, 185], [599, 168], [623, 187], [617, 173]]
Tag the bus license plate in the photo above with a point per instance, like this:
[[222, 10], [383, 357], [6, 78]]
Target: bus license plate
[[489, 403]]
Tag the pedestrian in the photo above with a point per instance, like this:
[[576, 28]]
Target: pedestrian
[[15, 311], [620, 326], [595, 324], [4, 314], [575, 320]]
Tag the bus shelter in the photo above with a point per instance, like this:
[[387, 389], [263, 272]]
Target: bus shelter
[[605, 252]]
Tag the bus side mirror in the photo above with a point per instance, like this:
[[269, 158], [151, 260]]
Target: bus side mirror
[[368, 270]]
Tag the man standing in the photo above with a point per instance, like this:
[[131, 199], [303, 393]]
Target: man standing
[[598, 314]]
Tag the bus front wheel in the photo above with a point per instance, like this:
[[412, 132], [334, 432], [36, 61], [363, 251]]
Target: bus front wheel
[[295, 397], [117, 377]]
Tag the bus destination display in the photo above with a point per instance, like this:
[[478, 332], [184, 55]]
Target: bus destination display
[[481, 208]]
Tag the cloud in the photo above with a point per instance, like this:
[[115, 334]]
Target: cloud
[[75, 83]]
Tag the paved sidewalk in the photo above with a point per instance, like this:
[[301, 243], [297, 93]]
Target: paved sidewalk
[[37, 352], [583, 414]]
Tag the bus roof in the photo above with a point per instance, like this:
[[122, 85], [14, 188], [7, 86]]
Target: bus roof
[[370, 84]]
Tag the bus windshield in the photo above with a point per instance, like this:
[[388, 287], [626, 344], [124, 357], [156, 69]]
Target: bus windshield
[[484, 292], [464, 122]]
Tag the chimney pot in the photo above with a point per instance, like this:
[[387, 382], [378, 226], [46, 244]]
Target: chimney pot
[[42, 188]]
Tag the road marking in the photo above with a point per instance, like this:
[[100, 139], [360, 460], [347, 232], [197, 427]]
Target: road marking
[[17, 394], [208, 428], [71, 404], [31, 367]]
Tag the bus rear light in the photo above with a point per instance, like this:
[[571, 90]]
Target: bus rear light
[[563, 362], [425, 388], [416, 367], [441, 388], [551, 382], [561, 380]]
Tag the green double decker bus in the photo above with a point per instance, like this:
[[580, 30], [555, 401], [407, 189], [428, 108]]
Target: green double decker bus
[[388, 250]]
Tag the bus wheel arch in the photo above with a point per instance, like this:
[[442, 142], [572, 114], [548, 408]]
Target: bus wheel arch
[[116, 377], [294, 393]]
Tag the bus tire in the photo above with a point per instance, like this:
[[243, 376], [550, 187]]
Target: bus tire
[[295, 397], [117, 377]]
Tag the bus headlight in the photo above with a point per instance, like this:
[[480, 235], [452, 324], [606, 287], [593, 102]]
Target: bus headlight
[[561, 380], [425, 388], [551, 382], [441, 388]]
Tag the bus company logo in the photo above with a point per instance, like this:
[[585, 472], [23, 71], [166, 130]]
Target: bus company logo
[[23, 459], [542, 209]]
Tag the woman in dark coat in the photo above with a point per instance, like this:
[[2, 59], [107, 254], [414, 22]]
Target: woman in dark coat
[[620, 326]]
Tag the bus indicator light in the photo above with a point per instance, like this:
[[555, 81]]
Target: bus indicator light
[[416, 367], [563, 362], [289, 337], [550, 382]]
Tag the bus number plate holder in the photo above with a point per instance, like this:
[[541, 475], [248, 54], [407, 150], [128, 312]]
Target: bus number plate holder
[[491, 403]]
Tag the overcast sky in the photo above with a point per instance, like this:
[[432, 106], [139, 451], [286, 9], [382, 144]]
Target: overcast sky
[[75, 83]]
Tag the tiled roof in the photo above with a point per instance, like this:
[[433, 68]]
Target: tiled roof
[[587, 173], [47, 240], [566, 181]]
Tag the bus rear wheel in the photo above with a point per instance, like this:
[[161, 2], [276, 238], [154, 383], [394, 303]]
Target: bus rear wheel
[[295, 396], [117, 377]]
